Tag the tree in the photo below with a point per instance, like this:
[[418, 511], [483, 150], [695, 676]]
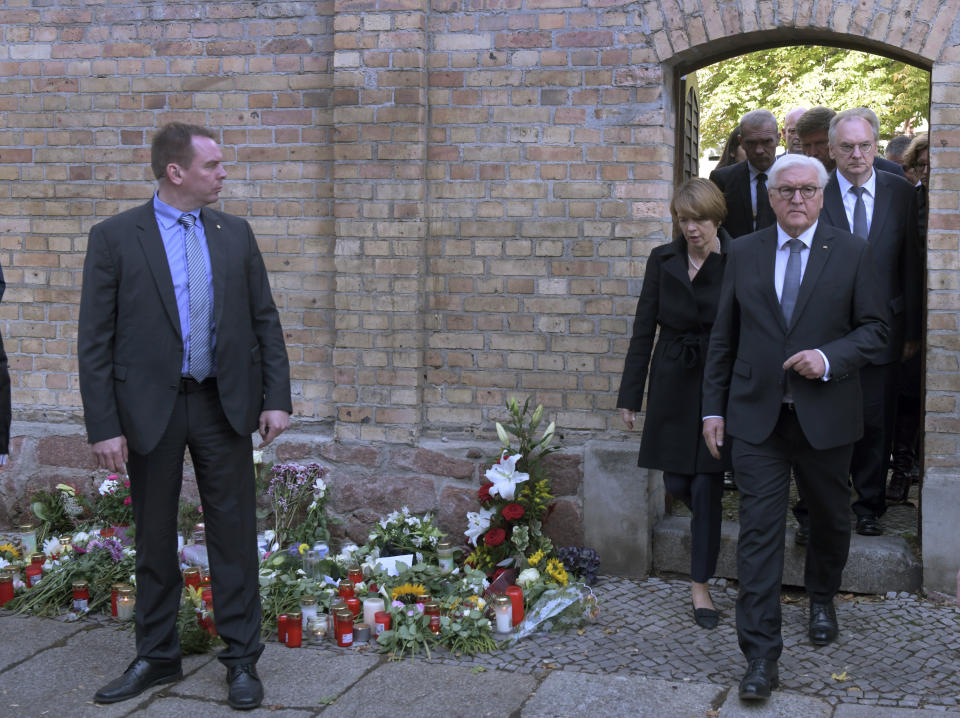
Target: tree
[[806, 76]]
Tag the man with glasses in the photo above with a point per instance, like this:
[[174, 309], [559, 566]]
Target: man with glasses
[[744, 184], [813, 129], [797, 318], [881, 209]]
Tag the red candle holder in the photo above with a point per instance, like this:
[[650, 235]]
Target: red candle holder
[[516, 602]]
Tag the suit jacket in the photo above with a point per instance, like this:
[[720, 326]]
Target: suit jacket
[[882, 163], [837, 311], [683, 311], [734, 182], [129, 345], [893, 242]]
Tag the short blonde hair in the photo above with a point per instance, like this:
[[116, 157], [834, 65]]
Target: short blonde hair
[[699, 198], [918, 144]]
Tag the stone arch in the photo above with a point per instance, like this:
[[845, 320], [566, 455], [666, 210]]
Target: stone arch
[[924, 34]]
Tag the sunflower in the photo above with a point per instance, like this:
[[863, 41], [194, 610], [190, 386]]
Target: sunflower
[[407, 592], [556, 571], [8, 549], [535, 558]]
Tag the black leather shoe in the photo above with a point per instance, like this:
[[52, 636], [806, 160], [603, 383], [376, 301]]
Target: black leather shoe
[[245, 688], [761, 677], [869, 526], [140, 675], [706, 617], [802, 535], [898, 488], [823, 623]]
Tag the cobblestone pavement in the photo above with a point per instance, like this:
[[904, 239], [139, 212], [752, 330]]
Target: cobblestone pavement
[[901, 650], [896, 658]]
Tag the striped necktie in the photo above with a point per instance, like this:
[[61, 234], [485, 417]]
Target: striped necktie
[[200, 362]]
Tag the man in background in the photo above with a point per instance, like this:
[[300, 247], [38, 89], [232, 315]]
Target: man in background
[[744, 185]]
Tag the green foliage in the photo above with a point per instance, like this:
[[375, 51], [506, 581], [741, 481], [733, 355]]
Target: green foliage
[[808, 75], [409, 634], [194, 638]]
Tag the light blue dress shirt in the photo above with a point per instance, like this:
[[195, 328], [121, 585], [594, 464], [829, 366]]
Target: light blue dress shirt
[[174, 237]]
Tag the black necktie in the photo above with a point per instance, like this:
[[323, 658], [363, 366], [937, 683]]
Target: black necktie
[[765, 216]]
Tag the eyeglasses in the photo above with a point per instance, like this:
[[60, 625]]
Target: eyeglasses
[[848, 149], [808, 191]]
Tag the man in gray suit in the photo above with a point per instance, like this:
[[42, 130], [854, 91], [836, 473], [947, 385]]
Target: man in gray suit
[[797, 318], [179, 346]]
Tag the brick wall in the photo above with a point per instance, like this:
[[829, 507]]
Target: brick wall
[[455, 199]]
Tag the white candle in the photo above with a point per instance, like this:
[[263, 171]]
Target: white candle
[[371, 605], [504, 612]]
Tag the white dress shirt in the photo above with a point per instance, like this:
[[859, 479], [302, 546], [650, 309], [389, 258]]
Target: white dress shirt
[[850, 199]]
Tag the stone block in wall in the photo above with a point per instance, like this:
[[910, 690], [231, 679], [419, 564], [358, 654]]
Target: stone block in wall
[[565, 472], [621, 504], [354, 489], [452, 510], [68, 451], [433, 462], [564, 524], [941, 541]]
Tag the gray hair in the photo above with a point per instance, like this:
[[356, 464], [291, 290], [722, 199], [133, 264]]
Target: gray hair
[[864, 113], [897, 145], [790, 161], [758, 119]]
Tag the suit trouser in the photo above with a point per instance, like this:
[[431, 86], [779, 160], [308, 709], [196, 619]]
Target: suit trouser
[[871, 454], [762, 473], [223, 463], [702, 494]]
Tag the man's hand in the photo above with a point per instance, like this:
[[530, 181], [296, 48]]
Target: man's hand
[[273, 422], [111, 454], [628, 417], [808, 364], [713, 430]]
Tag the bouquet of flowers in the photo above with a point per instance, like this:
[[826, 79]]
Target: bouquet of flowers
[[516, 497], [400, 533], [58, 511], [293, 490], [114, 507]]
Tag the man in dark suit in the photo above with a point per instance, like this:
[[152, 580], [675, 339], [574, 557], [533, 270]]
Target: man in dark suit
[[797, 318], [747, 208], [813, 130], [886, 216], [180, 345]]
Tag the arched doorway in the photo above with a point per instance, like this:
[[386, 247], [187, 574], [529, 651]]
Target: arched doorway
[[734, 35]]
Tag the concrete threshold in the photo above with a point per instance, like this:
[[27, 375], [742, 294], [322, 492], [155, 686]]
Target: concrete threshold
[[877, 564]]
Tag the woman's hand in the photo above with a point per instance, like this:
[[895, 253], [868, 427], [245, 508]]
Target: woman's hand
[[628, 417]]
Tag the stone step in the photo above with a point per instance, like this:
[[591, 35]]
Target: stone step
[[877, 564]]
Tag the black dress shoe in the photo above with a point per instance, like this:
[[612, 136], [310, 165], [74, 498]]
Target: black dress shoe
[[245, 688], [823, 623], [898, 488], [140, 675], [869, 526], [761, 677], [706, 617], [802, 535]]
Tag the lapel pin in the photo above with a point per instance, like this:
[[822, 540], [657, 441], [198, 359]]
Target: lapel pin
[[218, 227], [824, 246]]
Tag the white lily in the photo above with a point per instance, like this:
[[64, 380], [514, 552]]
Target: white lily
[[505, 477], [477, 523]]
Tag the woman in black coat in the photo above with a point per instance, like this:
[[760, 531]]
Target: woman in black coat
[[681, 288]]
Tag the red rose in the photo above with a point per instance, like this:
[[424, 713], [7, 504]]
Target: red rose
[[512, 512], [494, 537], [483, 493]]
